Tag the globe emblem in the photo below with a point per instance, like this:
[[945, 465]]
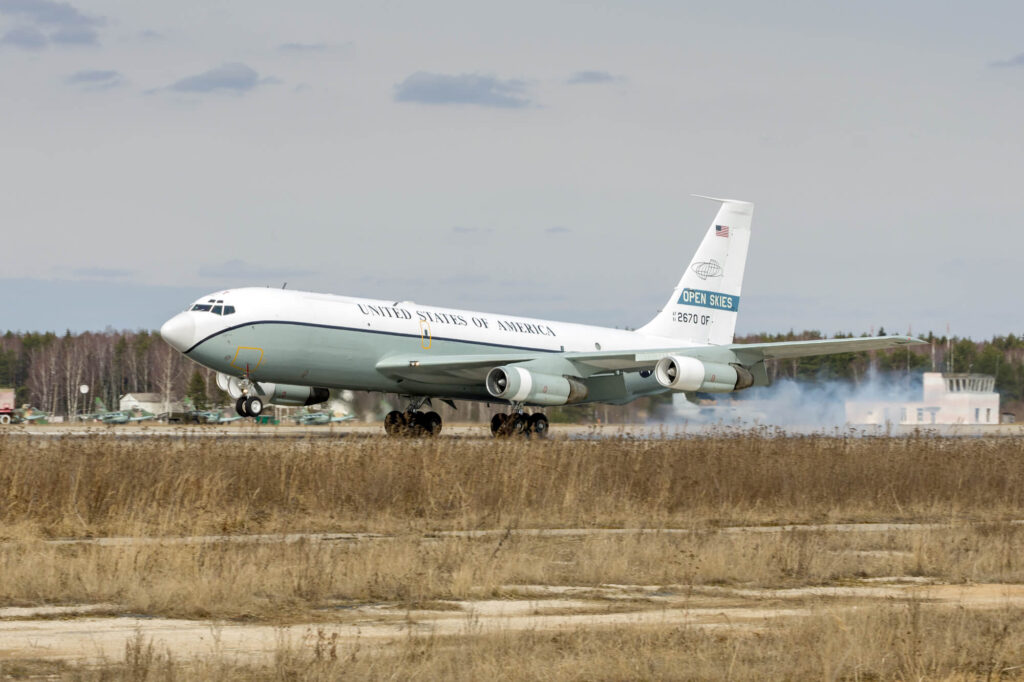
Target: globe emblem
[[707, 269]]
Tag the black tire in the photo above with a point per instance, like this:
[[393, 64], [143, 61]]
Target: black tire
[[394, 423], [497, 424], [539, 425], [517, 424], [254, 406], [432, 423], [415, 424], [240, 407]]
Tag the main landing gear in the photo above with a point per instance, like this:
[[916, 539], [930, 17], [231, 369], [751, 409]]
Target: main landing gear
[[249, 406], [412, 422], [519, 424]]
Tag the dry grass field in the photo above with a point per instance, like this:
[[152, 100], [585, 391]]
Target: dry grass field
[[561, 559]]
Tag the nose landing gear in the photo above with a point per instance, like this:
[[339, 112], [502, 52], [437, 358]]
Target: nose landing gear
[[249, 406]]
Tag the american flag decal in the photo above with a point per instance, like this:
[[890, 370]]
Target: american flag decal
[[721, 231]]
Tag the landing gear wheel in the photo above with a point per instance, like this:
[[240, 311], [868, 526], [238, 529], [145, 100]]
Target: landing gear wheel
[[431, 423], [254, 406], [497, 424], [516, 424], [538, 425], [394, 423], [240, 407]]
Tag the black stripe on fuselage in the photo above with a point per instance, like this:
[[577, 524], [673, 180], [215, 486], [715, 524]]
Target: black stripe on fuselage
[[364, 331]]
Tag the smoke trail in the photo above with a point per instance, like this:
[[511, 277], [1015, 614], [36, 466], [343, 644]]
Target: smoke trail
[[789, 403]]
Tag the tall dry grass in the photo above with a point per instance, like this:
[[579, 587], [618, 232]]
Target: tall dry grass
[[313, 580], [104, 485]]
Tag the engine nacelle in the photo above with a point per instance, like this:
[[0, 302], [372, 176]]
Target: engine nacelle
[[287, 394], [683, 373], [519, 385], [274, 394]]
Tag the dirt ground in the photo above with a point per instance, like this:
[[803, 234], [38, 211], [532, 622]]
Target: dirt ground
[[78, 634]]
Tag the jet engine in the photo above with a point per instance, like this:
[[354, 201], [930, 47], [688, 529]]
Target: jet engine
[[683, 373], [520, 385]]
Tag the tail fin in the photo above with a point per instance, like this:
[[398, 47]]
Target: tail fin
[[704, 304]]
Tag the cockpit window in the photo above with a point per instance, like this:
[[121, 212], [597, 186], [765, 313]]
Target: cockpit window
[[216, 307]]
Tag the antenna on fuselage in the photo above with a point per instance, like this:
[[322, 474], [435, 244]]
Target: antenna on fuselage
[[285, 285]]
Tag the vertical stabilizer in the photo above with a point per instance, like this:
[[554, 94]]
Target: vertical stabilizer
[[704, 305]]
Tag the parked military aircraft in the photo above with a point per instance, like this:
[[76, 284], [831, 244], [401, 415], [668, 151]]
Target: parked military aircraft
[[294, 348], [319, 418], [210, 417], [101, 409], [28, 414], [122, 417]]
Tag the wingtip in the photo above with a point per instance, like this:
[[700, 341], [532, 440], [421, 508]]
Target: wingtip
[[721, 200]]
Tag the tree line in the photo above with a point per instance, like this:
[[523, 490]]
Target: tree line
[[47, 369]]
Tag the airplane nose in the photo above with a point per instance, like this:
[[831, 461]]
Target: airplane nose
[[179, 332]]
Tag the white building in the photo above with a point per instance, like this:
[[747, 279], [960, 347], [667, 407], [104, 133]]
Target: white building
[[948, 399], [149, 402]]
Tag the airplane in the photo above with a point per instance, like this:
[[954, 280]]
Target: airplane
[[289, 347], [320, 418], [29, 414], [121, 417], [211, 417], [101, 409]]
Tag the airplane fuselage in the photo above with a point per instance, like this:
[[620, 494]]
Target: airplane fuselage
[[311, 339]]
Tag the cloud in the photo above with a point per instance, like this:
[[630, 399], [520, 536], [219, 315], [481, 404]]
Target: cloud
[[484, 91], [303, 47], [1011, 62], [95, 80], [64, 25], [236, 78], [82, 35], [48, 13], [102, 273], [240, 269], [26, 38], [590, 77], [557, 229]]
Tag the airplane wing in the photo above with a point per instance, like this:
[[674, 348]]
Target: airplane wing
[[442, 368]]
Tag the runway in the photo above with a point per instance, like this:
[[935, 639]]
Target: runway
[[666, 431]]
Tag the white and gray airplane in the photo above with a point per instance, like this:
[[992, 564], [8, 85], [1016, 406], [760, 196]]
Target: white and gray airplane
[[278, 346]]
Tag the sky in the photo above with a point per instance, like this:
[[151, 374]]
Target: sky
[[529, 158]]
